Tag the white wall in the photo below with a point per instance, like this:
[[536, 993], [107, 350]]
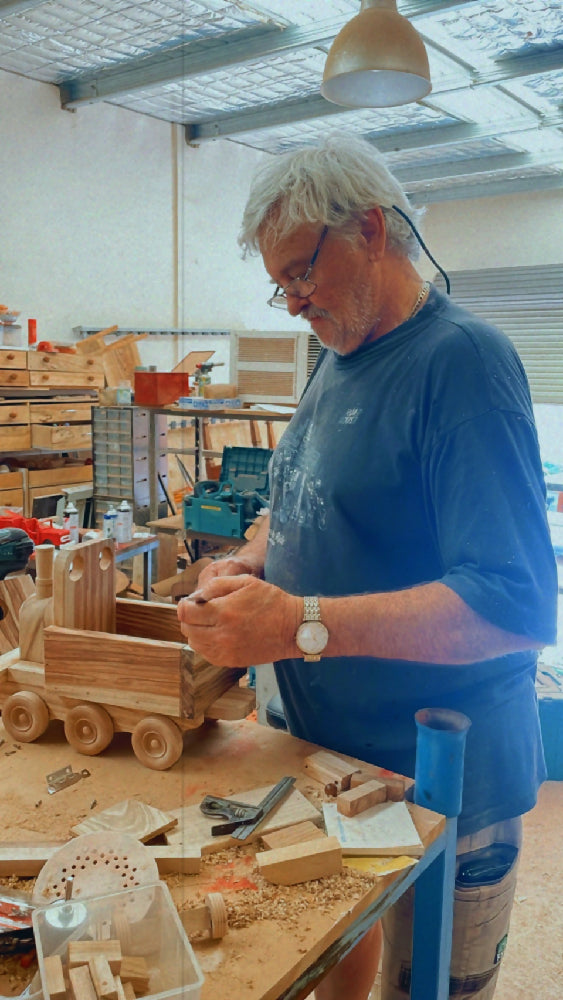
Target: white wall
[[86, 203]]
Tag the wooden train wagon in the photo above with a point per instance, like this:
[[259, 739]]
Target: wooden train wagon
[[136, 675]]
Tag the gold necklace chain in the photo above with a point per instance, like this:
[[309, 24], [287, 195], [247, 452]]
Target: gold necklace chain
[[424, 289]]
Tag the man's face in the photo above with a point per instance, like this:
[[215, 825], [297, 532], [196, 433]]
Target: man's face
[[342, 310]]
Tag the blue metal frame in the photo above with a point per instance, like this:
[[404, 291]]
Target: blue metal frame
[[438, 777]]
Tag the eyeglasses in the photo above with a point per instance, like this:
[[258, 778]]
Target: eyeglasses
[[299, 288]]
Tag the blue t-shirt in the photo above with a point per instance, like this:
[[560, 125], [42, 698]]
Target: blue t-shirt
[[416, 459]]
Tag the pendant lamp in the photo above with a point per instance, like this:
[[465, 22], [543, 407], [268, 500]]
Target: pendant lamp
[[377, 60]]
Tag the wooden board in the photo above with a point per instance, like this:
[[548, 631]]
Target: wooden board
[[61, 380], [120, 359], [11, 480], [13, 592], [189, 363], [236, 703], [292, 835], [94, 343], [148, 619], [27, 860], [139, 819], [84, 586], [194, 828]]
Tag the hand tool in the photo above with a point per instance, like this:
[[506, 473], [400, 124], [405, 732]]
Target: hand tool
[[237, 813], [247, 824], [15, 549]]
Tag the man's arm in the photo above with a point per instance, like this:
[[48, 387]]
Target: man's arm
[[246, 621]]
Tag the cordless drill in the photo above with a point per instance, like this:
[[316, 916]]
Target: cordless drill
[[15, 549]]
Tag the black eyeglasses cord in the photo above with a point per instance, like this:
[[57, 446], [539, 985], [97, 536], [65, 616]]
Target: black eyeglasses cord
[[423, 245]]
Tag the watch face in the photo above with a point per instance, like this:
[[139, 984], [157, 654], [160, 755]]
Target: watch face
[[311, 637]]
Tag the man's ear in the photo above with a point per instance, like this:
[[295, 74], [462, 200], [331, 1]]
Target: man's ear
[[374, 232]]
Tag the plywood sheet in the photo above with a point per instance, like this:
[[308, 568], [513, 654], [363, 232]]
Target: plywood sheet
[[194, 829]]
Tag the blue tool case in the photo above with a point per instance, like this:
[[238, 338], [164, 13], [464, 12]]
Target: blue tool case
[[227, 506]]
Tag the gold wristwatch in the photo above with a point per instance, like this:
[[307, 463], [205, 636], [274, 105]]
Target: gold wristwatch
[[311, 636]]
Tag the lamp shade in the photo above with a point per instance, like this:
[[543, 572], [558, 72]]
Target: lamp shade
[[377, 60]]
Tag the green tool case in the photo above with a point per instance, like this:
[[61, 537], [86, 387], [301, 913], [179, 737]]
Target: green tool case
[[229, 505]]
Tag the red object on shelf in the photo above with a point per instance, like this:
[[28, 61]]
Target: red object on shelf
[[39, 531], [31, 332], [160, 388]]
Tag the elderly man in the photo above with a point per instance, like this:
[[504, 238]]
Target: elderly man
[[406, 562]]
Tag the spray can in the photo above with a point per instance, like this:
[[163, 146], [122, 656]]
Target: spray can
[[110, 517], [70, 521], [124, 523]]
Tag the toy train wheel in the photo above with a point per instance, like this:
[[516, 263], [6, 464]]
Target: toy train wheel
[[157, 742], [89, 729], [25, 716]]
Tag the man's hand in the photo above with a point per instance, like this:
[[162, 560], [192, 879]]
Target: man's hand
[[232, 566], [239, 621]]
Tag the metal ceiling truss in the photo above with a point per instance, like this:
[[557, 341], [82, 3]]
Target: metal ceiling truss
[[186, 80]]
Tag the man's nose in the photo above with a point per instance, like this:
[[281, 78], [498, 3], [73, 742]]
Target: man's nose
[[296, 304]]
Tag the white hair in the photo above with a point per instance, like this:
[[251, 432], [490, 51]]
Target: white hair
[[334, 183]]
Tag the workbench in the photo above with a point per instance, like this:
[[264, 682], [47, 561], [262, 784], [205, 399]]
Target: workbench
[[265, 959]]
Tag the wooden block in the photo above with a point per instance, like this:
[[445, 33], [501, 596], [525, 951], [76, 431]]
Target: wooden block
[[134, 970], [301, 862], [236, 703], [54, 980], [328, 767], [102, 978], [396, 784], [81, 985], [292, 835], [80, 953], [357, 800], [175, 858], [121, 995], [129, 992]]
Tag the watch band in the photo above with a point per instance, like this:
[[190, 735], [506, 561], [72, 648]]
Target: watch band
[[311, 609]]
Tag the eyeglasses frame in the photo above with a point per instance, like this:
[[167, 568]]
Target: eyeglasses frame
[[281, 293]]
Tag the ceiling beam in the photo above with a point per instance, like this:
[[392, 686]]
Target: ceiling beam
[[208, 55], [9, 7], [488, 189], [474, 165], [315, 106]]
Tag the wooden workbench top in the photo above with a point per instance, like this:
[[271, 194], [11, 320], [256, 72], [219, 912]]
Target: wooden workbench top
[[275, 933]]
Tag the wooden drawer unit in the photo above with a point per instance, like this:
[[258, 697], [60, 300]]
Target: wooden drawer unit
[[16, 412], [15, 438], [40, 361], [10, 358], [66, 475], [60, 412], [66, 379], [11, 498], [14, 378], [61, 438]]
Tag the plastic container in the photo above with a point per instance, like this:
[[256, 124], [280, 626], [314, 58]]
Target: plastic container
[[124, 523], [147, 925]]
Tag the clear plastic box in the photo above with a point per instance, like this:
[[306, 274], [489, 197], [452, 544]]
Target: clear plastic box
[[146, 923]]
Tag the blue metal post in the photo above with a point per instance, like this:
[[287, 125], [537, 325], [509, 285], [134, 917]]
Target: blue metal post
[[440, 751]]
